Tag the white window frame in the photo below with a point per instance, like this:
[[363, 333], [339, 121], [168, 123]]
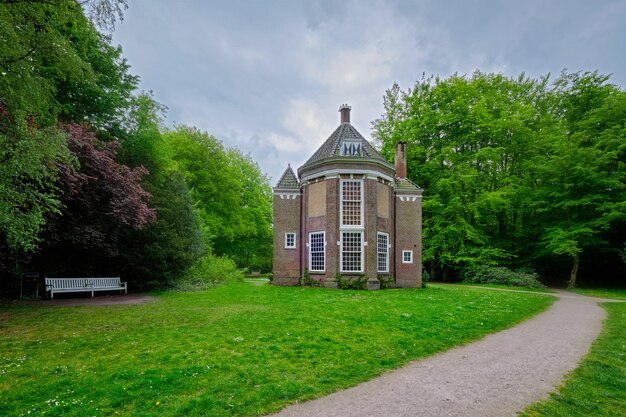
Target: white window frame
[[341, 220], [287, 246], [362, 247], [386, 252], [407, 252], [323, 233]]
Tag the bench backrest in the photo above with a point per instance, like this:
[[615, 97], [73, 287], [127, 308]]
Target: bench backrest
[[71, 283], [104, 282]]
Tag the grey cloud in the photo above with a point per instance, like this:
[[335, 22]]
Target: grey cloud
[[268, 77]]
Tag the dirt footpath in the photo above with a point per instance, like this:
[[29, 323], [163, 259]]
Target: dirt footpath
[[497, 376], [99, 300]]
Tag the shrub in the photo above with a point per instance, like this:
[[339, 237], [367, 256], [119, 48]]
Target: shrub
[[425, 278], [502, 276], [307, 281], [209, 271], [356, 283], [385, 281]]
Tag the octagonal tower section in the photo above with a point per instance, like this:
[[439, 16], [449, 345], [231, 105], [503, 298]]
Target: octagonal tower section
[[348, 210]]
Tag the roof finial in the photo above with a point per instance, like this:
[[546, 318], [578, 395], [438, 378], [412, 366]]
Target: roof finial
[[344, 109]]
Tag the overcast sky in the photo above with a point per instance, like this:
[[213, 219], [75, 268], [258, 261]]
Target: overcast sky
[[268, 77]]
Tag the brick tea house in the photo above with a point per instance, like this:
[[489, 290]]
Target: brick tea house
[[349, 212]]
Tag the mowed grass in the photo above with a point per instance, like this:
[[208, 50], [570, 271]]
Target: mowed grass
[[598, 386], [236, 350], [506, 287], [602, 293]]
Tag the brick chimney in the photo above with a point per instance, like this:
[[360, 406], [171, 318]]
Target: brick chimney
[[344, 109], [401, 160]]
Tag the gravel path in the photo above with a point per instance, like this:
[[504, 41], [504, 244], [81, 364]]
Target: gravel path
[[100, 300], [497, 376]]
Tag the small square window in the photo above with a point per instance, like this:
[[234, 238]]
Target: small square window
[[290, 240], [407, 256]]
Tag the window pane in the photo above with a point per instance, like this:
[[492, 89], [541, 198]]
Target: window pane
[[407, 257], [290, 240], [351, 203], [351, 252], [382, 248], [316, 245]]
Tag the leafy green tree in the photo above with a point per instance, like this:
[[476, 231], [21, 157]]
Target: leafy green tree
[[54, 65], [252, 246], [515, 171], [159, 255], [203, 161], [469, 139], [231, 194], [142, 141], [583, 189], [28, 174]]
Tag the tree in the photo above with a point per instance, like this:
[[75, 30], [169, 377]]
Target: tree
[[53, 64], [252, 246], [231, 194], [160, 254], [469, 139], [28, 173], [516, 171], [101, 200], [584, 176]]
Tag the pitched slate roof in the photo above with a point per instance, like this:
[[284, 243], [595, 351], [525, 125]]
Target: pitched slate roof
[[331, 147], [288, 180]]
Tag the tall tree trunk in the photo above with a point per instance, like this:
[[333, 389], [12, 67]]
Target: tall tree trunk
[[572, 276]]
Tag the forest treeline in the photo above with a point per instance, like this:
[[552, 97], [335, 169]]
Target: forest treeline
[[517, 172], [92, 183]]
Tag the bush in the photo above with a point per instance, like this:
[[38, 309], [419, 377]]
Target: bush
[[385, 281], [307, 281], [356, 283], [425, 278], [209, 271], [503, 276]]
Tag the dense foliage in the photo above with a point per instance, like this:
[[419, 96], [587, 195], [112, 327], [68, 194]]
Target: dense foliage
[[91, 183], [516, 172], [499, 275]]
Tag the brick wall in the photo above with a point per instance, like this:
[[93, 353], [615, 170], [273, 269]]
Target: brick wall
[[286, 219], [408, 237]]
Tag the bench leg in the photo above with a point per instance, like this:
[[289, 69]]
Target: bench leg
[[92, 293]]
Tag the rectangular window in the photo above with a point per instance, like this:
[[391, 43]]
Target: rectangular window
[[351, 202], [382, 249], [290, 240], [351, 252], [407, 256], [317, 261]]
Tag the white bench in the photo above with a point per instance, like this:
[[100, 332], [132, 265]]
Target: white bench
[[59, 285]]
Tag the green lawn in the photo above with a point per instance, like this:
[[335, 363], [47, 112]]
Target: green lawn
[[506, 287], [602, 293], [597, 387], [237, 350]]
